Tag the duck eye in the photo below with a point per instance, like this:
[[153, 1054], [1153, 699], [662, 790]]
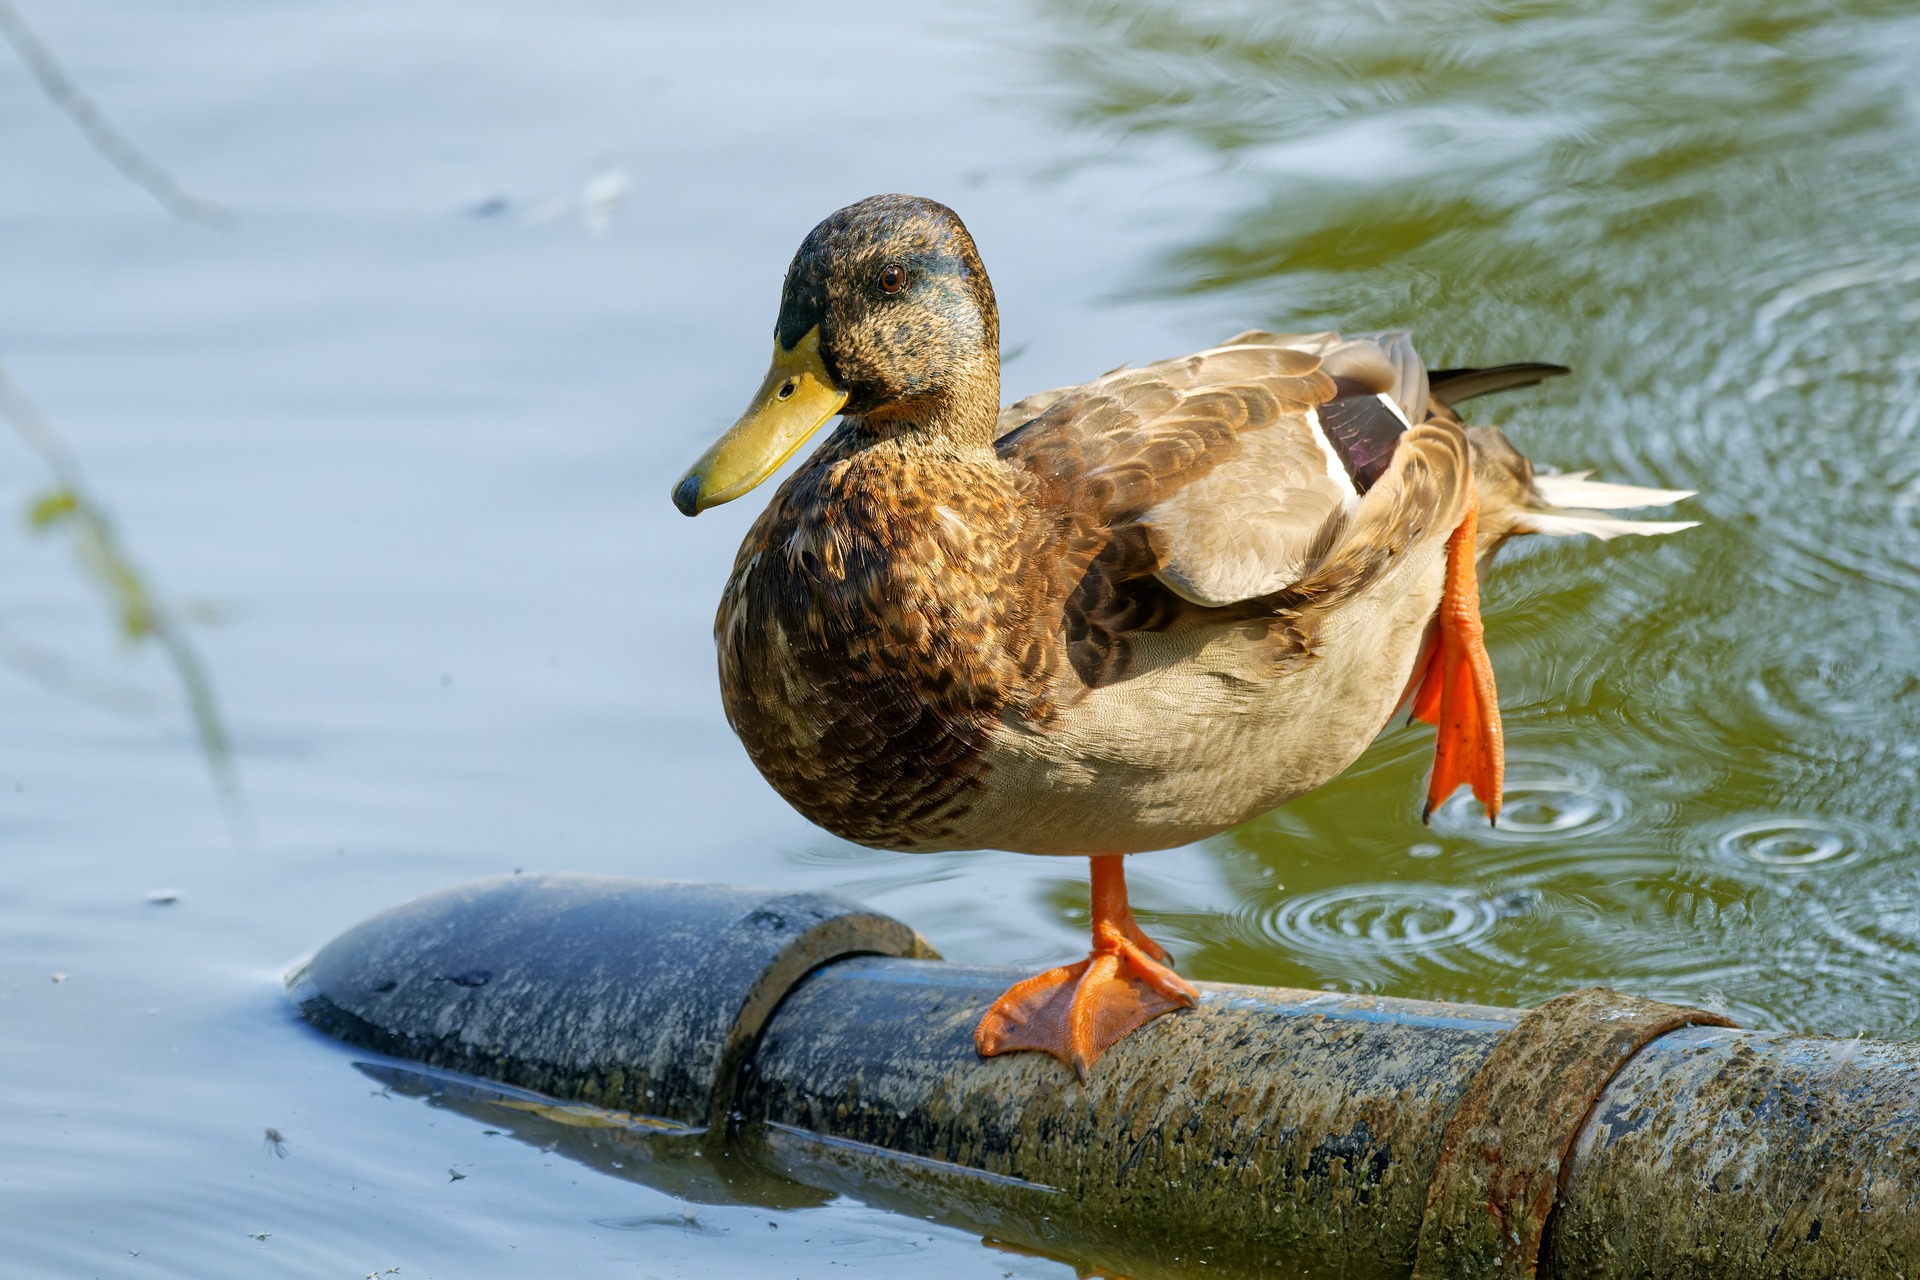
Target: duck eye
[[893, 278]]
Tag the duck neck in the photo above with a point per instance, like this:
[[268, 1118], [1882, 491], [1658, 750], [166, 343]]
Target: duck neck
[[961, 414]]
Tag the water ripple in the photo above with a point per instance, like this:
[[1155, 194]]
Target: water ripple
[[1788, 844], [1846, 690], [1869, 942], [1545, 799], [1382, 922]]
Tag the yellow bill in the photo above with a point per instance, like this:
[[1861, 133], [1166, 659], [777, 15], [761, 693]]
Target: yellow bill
[[796, 398]]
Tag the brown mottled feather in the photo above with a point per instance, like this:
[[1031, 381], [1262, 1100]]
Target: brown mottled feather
[[1108, 618], [899, 603]]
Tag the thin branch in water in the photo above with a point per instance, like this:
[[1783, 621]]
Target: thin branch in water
[[140, 611], [107, 140], [55, 671]]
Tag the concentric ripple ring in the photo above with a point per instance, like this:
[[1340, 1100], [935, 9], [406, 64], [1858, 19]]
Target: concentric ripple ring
[[1787, 844], [1544, 798], [1372, 919]]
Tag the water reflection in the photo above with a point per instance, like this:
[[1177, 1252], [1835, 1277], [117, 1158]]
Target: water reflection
[[679, 1161], [1705, 209], [780, 1168]]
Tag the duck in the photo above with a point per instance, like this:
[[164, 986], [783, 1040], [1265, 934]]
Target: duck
[[1106, 619]]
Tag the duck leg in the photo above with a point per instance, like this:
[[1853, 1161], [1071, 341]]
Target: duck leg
[[1075, 1012], [1456, 692]]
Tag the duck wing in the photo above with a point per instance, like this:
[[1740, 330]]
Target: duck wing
[[1272, 470]]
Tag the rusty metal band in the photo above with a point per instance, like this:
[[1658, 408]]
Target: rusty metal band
[[1504, 1147]]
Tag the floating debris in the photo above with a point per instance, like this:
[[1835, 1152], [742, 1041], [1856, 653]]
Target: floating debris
[[601, 198], [598, 200], [163, 897]]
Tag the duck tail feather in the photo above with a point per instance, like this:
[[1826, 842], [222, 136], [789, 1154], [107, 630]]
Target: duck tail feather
[[1572, 522], [1454, 385], [1577, 490], [1566, 506]]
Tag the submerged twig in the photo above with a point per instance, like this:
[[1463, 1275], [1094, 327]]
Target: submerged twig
[[107, 140], [141, 612]]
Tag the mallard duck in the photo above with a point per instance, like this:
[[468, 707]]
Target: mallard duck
[[1109, 618]]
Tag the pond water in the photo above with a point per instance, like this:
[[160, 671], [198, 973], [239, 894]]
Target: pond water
[[395, 446]]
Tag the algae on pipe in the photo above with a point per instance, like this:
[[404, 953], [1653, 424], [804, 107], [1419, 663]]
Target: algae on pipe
[[1323, 1133]]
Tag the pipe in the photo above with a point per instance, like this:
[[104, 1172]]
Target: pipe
[[1262, 1130]]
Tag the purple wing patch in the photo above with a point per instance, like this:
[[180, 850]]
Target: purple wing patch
[[1362, 431]]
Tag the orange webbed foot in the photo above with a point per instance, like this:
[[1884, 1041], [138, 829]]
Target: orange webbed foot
[[1138, 938], [1078, 1011], [1457, 694]]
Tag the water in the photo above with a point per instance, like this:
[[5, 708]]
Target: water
[[405, 434]]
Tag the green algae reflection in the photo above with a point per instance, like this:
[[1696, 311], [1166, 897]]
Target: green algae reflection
[[1706, 210]]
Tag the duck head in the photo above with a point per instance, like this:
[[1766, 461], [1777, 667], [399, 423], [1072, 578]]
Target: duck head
[[886, 316]]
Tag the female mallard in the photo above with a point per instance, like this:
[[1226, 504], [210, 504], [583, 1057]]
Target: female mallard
[[1110, 618]]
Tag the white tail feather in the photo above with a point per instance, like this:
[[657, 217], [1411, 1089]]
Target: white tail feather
[[1573, 523], [1577, 491], [1570, 500]]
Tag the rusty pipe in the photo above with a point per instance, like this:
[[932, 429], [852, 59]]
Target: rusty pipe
[[1264, 1130]]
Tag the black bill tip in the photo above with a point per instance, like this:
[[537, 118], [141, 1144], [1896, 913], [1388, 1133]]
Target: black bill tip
[[686, 496]]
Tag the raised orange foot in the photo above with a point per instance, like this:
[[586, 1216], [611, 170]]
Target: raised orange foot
[[1077, 1011], [1456, 692]]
